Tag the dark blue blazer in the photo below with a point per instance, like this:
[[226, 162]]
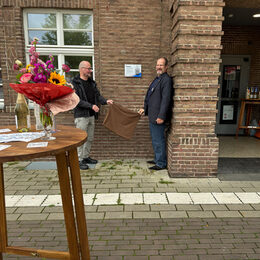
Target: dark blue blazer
[[160, 101]]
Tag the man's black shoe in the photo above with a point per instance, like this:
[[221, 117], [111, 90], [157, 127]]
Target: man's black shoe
[[83, 166], [156, 168], [89, 160], [151, 162]]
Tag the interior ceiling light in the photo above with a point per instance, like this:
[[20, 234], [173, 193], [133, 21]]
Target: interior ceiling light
[[230, 16], [256, 15]]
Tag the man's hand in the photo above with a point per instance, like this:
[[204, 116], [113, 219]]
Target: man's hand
[[110, 101], [95, 108], [159, 121], [141, 111]]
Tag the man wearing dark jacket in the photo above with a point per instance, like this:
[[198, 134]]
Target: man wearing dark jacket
[[158, 106], [87, 110]]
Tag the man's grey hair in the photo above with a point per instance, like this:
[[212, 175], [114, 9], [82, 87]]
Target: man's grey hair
[[82, 64]]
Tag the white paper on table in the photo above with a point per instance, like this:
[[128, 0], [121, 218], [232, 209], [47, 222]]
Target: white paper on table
[[4, 130], [24, 137], [2, 147], [38, 144]]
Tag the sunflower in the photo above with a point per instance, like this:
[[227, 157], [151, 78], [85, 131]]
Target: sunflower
[[57, 79]]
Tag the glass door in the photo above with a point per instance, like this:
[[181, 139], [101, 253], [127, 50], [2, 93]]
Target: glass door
[[233, 84]]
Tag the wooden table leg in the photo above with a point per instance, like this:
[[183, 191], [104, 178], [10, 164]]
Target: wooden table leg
[[66, 196], [79, 204], [3, 227], [241, 116], [248, 117]]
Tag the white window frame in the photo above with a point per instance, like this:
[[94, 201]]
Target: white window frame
[[60, 50]]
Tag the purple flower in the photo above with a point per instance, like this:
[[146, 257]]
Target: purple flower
[[40, 78], [50, 67], [39, 68]]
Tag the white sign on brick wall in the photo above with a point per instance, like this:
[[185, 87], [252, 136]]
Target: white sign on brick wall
[[133, 70]]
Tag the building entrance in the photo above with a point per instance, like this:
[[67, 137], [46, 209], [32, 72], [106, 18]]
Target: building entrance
[[233, 84]]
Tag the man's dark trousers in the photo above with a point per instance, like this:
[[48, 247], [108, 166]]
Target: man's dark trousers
[[159, 144]]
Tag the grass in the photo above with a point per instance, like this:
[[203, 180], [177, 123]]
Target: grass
[[162, 181], [12, 163]]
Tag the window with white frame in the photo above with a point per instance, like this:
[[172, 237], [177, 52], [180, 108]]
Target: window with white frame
[[66, 34]]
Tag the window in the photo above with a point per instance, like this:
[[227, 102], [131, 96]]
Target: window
[[66, 34]]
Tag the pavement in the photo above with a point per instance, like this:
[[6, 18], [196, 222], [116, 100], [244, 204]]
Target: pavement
[[133, 213]]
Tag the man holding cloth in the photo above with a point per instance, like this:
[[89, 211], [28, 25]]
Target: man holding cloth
[[87, 109], [158, 106]]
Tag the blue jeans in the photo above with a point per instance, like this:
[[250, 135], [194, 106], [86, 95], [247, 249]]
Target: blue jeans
[[159, 144]]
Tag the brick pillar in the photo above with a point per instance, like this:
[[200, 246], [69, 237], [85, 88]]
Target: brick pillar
[[196, 47]]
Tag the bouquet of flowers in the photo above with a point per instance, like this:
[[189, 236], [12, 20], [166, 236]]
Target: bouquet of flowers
[[41, 83]]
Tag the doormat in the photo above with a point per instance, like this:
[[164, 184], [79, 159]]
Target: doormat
[[239, 169], [47, 165]]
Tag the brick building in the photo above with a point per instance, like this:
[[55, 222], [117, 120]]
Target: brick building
[[199, 42]]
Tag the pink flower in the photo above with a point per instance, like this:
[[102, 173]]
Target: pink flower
[[26, 77], [23, 70], [65, 68]]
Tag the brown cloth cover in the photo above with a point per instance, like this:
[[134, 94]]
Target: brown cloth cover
[[121, 120]]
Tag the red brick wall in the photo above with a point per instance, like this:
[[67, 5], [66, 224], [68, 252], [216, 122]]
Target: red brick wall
[[196, 37], [125, 32]]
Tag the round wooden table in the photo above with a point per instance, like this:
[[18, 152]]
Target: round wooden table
[[64, 148]]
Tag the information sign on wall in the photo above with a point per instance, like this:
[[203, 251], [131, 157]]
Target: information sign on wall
[[133, 70]]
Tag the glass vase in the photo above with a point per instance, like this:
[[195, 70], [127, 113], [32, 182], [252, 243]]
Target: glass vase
[[47, 120], [22, 114]]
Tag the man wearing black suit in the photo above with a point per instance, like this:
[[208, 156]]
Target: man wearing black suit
[[158, 106]]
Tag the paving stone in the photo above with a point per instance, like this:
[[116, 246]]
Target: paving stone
[[239, 207], [189, 207], [29, 209], [106, 199], [155, 198], [137, 207], [92, 215], [256, 206], [179, 198], [131, 198], [146, 215], [227, 214], [214, 207], [200, 214], [30, 200], [35, 216], [11, 200], [56, 216], [251, 197], [162, 207], [250, 214], [203, 198], [226, 198], [12, 216], [111, 208], [173, 214]]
